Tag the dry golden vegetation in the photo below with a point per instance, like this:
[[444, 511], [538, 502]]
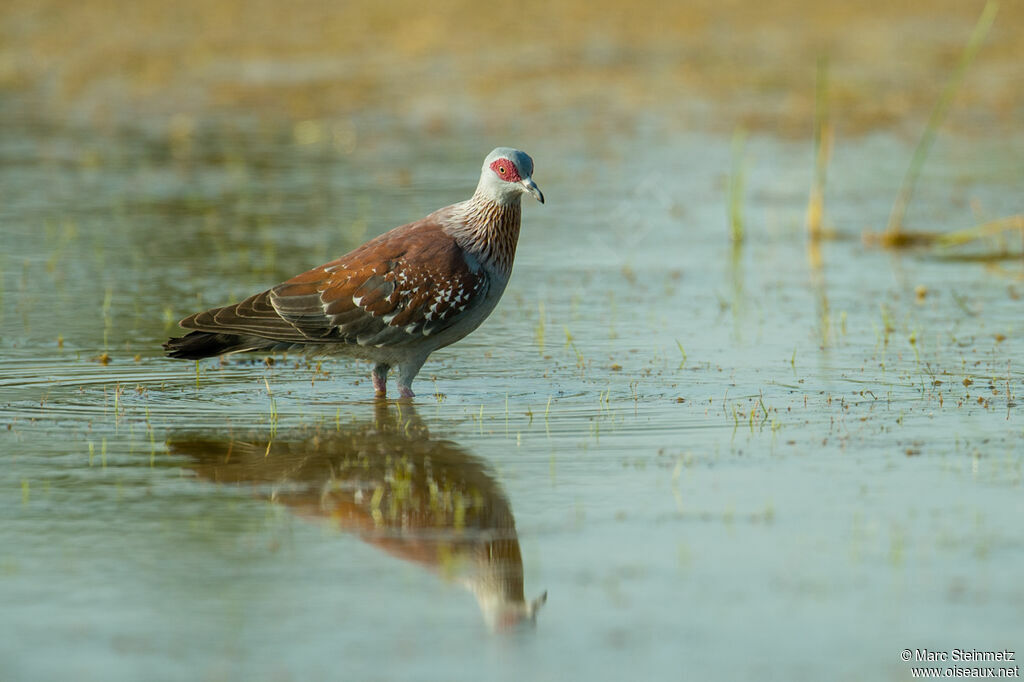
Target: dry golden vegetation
[[705, 63]]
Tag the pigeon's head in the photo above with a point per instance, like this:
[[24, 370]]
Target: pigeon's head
[[506, 175]]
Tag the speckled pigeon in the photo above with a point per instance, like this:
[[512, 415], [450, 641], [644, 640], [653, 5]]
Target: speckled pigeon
[[395, 299]]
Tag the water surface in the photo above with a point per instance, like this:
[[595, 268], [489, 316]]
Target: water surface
[[717, 461]]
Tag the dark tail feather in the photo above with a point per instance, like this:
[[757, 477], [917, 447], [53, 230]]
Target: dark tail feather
[[197, 345]]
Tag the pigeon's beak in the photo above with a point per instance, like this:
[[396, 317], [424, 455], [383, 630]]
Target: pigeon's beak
[[532, 188]]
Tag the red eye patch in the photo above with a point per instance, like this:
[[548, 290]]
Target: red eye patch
[[506, 170]]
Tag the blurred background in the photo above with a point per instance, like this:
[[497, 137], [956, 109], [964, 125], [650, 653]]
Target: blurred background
[[544, 67]]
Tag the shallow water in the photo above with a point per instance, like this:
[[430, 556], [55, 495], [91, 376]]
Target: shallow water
[[717, 461]]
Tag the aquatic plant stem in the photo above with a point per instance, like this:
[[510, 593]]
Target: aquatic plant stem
[[988, 229], [938, 114], [822, 151], [737, 180]]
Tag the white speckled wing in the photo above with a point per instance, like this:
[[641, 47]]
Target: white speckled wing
[[412, 282]]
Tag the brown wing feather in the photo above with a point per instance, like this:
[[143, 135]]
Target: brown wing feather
[[253, 316], [411, 282]]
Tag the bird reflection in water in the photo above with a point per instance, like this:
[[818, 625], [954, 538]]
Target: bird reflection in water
[[423, 500]]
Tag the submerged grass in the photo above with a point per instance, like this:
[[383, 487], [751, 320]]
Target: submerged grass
[[570, 342], [737, 181], [682, 351], [822, 151], [816, 200], [894, 235], [1000, 227]]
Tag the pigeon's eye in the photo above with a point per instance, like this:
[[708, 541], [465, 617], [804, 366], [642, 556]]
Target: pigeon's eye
[[506, 170]]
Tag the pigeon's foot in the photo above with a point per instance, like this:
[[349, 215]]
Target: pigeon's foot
[[380, 380], [405, 392]]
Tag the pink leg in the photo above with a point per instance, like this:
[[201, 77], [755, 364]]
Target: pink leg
[[380, 380], [406, 373]]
